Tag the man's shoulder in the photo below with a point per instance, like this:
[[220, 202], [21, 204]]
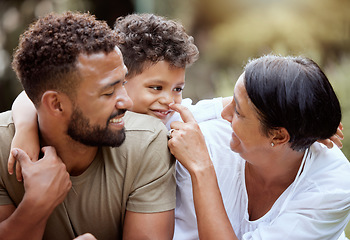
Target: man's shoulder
[[144, 134], [142, 122], [13, 187], [6, 119], [146, 143], [7, 128]]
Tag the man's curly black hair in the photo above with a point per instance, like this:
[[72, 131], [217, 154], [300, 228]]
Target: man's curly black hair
[[145, 39], [47, 52]]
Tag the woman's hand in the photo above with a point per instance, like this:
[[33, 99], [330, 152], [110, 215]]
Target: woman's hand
[[187, 142]]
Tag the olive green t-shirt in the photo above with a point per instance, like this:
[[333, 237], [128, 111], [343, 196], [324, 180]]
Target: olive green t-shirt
[[138, 176]]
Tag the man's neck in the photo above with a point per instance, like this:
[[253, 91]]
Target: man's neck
[[76, 156]]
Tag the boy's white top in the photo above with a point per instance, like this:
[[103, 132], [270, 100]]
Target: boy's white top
[[315, 206]]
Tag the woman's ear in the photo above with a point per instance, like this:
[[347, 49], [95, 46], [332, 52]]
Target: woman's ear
[[54, 102], [280, 136]]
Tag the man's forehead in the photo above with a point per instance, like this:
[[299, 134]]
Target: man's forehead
[[101, 68], [118, 50], [97, 55], [100, 60]]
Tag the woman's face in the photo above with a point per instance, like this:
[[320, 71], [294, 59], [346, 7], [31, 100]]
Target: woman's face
[[247, 137]]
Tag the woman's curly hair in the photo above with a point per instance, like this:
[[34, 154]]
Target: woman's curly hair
[[47, 52], [145, 39]]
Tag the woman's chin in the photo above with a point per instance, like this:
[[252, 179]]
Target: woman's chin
[[234, 146]]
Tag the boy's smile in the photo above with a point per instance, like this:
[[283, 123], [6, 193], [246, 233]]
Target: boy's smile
[[155, 88]]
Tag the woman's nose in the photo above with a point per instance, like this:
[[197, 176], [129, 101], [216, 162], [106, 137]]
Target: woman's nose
[[227, 113]]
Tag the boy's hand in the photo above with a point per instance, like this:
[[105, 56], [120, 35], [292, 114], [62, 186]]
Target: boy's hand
[[336, 138], [31, 147]]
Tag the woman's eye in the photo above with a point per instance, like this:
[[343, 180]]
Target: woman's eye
[[238, 114], [156, 88]]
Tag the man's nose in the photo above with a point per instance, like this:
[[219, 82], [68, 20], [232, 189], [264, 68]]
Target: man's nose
[[123, 101]]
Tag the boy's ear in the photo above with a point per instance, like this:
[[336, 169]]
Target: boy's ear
[[54, 102], [280, 136]]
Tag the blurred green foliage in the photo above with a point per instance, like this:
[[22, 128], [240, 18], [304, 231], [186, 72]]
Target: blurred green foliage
[[339, 75], [229, 33]]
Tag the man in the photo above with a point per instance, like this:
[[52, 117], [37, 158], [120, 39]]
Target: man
[[73, 72]]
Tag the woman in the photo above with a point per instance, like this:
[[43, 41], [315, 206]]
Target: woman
[[285, 185]]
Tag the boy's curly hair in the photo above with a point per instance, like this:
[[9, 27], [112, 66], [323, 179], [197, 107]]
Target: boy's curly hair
[[47, 52], [145, 39]]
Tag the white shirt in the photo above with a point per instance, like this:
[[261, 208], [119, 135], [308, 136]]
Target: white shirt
[[203, 110], [315, 206]]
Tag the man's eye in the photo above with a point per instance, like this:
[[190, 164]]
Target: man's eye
[[109, 93], [156, 87]]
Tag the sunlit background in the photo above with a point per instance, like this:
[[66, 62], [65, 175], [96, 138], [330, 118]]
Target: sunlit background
[[227, 32]]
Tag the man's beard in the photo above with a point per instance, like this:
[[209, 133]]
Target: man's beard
[[79, 129]]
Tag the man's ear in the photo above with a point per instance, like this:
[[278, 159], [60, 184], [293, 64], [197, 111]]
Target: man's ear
[[280, 136], [54, 102]]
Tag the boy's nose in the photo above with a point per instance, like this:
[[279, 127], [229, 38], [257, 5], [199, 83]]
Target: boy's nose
[[167, 99]]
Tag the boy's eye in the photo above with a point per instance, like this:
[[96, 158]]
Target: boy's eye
[[125, 82], [156, 87], [178, 89]]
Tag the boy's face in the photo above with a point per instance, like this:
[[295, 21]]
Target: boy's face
[[155, 88]]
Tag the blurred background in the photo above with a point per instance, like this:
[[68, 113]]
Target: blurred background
[[227, 32]]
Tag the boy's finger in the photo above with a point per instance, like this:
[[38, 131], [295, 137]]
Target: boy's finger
[[185, 114], [328, 143], [339, 133], [10, 164], [337, 141], [21, 156], [18, 172], [340, 126]]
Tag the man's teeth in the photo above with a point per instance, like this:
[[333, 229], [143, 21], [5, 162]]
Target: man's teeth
[[115, 120]]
